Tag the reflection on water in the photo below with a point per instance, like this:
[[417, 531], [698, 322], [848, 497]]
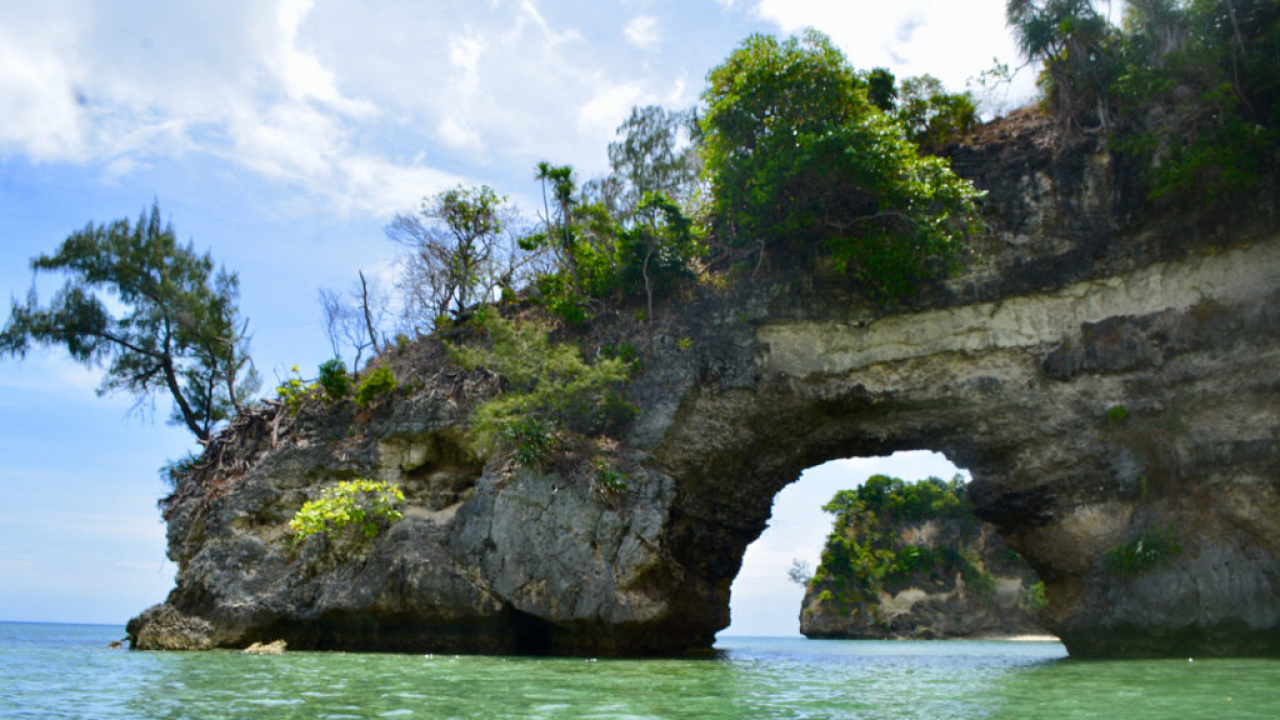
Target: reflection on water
[[53, 671]]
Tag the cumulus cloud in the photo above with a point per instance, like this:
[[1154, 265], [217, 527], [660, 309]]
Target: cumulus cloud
[[642, 32], [950, 40], [306, 93]]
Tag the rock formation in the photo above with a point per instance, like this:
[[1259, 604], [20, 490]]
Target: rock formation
[[1108, 371], [949, 577]]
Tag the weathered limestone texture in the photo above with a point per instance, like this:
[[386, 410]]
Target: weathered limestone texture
[[1108, 371]]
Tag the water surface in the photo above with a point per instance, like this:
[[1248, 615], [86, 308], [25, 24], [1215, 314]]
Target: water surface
[[67, 671]]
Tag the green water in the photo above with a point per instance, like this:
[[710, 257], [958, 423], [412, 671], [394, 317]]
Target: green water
[[67, 671]]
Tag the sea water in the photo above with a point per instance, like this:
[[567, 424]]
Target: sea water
[[68, 671]]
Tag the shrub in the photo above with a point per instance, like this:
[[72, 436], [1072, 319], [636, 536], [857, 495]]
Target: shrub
[[532, 442], [1035, 598], [544, 383], [608, 479], [294, 390], [369, 505], [334, 379], [380, 381], [1148, 549], [1117, 414]]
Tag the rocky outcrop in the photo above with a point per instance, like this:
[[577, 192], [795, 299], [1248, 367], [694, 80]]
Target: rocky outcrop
[[1109, 372], [964, 583]]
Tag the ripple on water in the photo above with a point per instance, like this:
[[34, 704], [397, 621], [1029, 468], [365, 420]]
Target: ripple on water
[[66, 672]]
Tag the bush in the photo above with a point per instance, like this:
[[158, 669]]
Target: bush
[[607, 478], [1150, 548], [531, 441], [294, 390], [802, 162], [334, 379], [1035, 598], [369, 505], [380, 381], [546, 386]]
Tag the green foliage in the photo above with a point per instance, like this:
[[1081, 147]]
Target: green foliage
[[1117, 414], [864, 552], [654, 155], [1190, 86], [531, 443], [607, 478], [895, 500], [457, 252], [368, 505], [1148, 549], [334, 379], [294, 390], [180, 333], [933, 117], [1035, 599], [380, 381], [882, 89], [1076, 45], [801, 162], [546, 387]]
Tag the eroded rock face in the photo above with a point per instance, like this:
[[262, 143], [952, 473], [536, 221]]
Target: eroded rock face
[[1082, 302]]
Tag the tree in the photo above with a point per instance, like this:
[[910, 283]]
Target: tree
[[801, 162], [355, 320], [933, 117], [180, 331], [655, 155], [800, 573], [659, 248], [1076, 44], [561, 233], [457, 251], [882, 89]]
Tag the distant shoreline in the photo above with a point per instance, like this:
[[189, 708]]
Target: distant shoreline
[[1019, 638]]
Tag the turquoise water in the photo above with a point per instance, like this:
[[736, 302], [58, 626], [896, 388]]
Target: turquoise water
[[67, 671]]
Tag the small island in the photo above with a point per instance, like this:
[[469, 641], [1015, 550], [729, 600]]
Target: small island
[[912, 561]]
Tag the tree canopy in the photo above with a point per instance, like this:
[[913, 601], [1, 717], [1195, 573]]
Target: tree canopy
[[804, 164], [1191, 86], [180, 330]]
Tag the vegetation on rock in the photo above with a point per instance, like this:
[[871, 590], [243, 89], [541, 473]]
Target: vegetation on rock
[[368, 505], [802, 163], [547, 388], [890, 535], [1190, 86]]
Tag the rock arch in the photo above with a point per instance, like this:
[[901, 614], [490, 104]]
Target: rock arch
[[1090, 416], [1107, 373]]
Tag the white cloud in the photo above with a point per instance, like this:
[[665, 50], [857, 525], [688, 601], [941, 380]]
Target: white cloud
[[950, 40], [602, 113], [643, 32], [38, 97]]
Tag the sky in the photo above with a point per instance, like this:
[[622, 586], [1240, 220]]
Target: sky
[[283, 136]]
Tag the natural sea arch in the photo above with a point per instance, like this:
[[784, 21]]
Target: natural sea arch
[[1094, 416]]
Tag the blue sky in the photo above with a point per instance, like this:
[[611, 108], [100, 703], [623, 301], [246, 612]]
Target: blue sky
[[283, 136]]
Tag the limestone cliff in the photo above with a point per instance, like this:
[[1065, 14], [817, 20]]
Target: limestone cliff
[[1108, 371]]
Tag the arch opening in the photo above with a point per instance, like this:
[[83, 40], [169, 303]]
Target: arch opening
[[766, 602]]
